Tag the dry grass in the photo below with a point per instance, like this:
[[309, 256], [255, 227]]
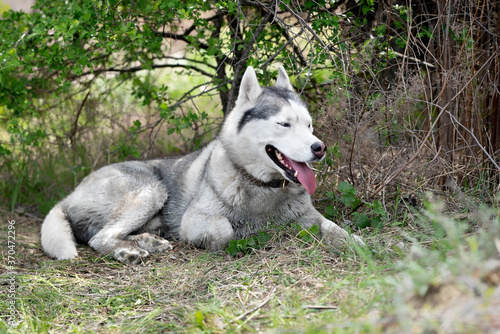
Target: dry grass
[[287, 286], [99, 294]]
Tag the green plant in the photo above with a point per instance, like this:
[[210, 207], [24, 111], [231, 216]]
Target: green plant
[[247, 245], [374, 217], [199, 317], [307, 235]]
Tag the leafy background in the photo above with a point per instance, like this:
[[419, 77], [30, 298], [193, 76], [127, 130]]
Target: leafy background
[[402, 91]]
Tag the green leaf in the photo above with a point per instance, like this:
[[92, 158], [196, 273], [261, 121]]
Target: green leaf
[[242, 244], [232, 248], [199, 317], [314, 229], [348, 197], [4, 150], [331, 211], [400, 42], [349, 200], [361, 220], [378, 208], [346, 188], [366, 9], [376, 222], [263, 237], [425, 32], [305, 236], [251, 242]]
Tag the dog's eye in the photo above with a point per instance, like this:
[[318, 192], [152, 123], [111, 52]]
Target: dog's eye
[[284, 124]]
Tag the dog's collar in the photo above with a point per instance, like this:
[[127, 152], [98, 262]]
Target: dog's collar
[[276, 183]]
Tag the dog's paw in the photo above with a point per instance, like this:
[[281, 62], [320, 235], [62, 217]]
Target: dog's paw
[[339, 238], [130, 255], [150, 242], [357, 239]]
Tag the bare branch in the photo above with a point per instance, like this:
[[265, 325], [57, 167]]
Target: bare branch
[[424, 141]]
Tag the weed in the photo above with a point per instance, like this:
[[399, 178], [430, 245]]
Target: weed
[[244, 246], [375, 216]]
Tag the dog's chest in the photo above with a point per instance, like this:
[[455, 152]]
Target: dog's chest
[[253, 213]]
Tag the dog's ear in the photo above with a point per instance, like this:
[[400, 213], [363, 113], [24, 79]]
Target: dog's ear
[[283, 81], [249, 87]]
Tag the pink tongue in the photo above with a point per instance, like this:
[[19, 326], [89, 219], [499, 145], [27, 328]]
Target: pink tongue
[[306, 176]]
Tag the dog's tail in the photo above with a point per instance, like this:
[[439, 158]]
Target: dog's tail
[[57, 238]]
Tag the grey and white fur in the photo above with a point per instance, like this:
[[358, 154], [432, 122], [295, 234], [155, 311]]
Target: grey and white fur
[[255, 172]]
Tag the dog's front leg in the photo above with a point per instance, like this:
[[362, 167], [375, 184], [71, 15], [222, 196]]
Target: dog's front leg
[[337, 236], [211, 232], [333, 234]]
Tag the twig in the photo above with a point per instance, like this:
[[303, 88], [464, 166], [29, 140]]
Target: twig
[[72, 135], [261, 305], [414, 59], [321, 307], [22, 213]]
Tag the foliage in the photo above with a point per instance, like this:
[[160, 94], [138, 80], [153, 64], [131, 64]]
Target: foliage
[[65, 63], [246, 245], [75, 75], [255, 242], [375, 216], [307, 235]]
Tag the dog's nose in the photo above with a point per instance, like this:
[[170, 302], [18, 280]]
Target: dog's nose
[[319, 149]]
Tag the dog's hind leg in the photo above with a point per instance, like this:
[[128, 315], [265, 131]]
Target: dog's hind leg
[[136, 247], [134, 211], [150, 242], [130, 248]]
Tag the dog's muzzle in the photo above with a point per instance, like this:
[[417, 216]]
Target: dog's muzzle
[[319, 150]]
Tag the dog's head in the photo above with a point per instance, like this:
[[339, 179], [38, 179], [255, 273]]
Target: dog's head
[[270, 132]]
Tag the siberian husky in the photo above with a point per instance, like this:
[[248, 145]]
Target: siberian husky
[[255, 172]]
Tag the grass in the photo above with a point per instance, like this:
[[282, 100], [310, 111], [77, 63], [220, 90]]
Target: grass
[[434, 284]]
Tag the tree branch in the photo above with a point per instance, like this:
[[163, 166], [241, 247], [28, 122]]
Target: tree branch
[[182, 37], [74, 129], [140, 68], [244, 55]]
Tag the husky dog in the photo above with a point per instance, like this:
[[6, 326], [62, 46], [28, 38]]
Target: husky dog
[[256, 171]]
